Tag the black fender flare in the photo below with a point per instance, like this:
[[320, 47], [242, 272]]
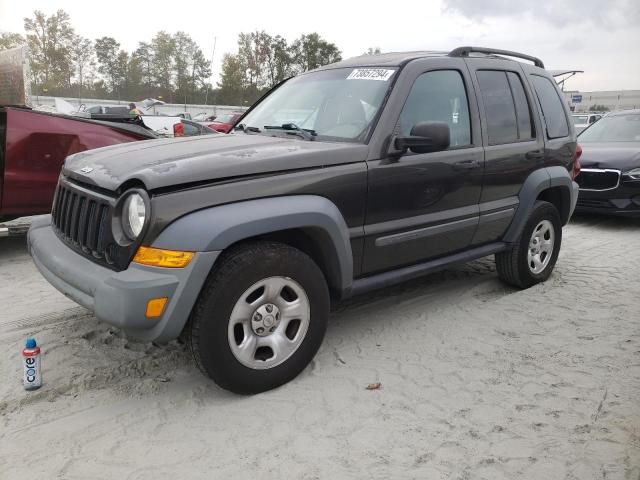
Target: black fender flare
[[536, 183]]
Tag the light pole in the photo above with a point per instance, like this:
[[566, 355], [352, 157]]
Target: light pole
[[206, 96]]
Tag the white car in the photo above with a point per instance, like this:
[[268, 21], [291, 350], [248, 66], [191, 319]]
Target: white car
[[583, 120]]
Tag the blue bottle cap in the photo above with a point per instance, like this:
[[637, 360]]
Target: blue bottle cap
[[31, 343]]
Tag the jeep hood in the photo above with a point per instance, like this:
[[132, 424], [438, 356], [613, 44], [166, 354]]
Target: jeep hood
[[173, 162], [619, 155]]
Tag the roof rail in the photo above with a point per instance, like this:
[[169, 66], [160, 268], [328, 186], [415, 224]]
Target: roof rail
[[465, 51]]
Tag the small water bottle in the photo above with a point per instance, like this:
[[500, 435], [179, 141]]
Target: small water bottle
[[31, 360]]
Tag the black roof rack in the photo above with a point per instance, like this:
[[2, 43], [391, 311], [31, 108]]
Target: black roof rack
[[465, 51]]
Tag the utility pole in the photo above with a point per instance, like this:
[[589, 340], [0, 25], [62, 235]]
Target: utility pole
[[206, 96]]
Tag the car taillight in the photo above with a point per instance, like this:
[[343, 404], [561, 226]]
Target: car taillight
[[576, 162], [178, 130]]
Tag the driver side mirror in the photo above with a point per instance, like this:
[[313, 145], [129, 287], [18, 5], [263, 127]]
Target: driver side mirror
[[425, 137]]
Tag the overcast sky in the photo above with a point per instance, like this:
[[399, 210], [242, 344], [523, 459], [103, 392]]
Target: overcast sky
[[598, 36]]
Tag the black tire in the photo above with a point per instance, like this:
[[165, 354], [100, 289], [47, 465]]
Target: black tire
[[234, 273], [512, 265]]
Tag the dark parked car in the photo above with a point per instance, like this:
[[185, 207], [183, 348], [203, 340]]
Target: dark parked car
[[610, 176], [108, 110], [351, 177]]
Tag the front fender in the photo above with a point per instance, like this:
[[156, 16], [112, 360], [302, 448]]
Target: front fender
[[217, 228]]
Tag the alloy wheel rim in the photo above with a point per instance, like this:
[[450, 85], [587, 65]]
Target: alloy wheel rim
[[269, 322], [541, 245]]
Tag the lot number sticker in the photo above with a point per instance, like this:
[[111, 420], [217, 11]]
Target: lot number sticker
[[381, 74]]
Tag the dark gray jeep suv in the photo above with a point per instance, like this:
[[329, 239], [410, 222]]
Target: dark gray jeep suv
[[348, 178]]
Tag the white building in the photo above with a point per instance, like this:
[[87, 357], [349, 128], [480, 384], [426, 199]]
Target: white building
[[613, 100]]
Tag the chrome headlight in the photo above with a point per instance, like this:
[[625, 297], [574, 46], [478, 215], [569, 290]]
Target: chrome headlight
[[634, 174], [134, 215]]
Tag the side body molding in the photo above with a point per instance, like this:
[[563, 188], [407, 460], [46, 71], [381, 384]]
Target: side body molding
[[540, 180], [216, 228]]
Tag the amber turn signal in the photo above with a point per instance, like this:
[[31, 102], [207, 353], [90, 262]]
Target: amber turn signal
[[155, 307], [157, 257]]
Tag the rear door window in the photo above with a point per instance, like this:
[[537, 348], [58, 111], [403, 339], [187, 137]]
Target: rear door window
[[506, 107], [551, 105], [499, 110]]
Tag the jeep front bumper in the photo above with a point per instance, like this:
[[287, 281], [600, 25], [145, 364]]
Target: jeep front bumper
[[120, 298]]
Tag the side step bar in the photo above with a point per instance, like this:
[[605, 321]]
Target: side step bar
[[386, 279]]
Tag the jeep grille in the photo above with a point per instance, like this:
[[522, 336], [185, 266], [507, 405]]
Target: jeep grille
[[82, 219]]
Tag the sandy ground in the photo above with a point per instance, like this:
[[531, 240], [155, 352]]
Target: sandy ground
[[479, 381]]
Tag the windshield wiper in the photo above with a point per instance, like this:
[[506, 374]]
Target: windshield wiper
[[292, 128]]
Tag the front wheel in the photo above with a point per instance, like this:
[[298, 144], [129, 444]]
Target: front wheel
[[260, 318], [532, 258]]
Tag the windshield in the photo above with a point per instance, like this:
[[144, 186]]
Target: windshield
[[617, 128], [334, 105], [580, 119]]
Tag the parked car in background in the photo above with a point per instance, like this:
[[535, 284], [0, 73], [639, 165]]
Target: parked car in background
[[583, 120], [166, 126], [33, 146], [610, 176], [240, 241], [225, 122], [108, 110], [204, 117]]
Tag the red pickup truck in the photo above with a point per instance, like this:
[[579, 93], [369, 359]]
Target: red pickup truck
[[33, 146]]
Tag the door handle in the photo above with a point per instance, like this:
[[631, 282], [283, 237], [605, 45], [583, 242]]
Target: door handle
[[466, 165], [534, 155]]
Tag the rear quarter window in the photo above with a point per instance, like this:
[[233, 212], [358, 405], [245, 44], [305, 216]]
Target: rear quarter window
[[552, 109], [523, 111]]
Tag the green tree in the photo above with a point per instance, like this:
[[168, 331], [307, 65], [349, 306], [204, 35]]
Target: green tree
[[254, 50], [136, 86], [50, 40], [312, 51], [184, 49], [279, 61], [191, 67], [122, 72], [82, 57], [142, 57], [10, 40], [232, 81], [109, 64], [163, 47], [200, 69]]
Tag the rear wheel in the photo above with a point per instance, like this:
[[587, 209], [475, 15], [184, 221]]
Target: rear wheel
[[532, 258], [260, 318]]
